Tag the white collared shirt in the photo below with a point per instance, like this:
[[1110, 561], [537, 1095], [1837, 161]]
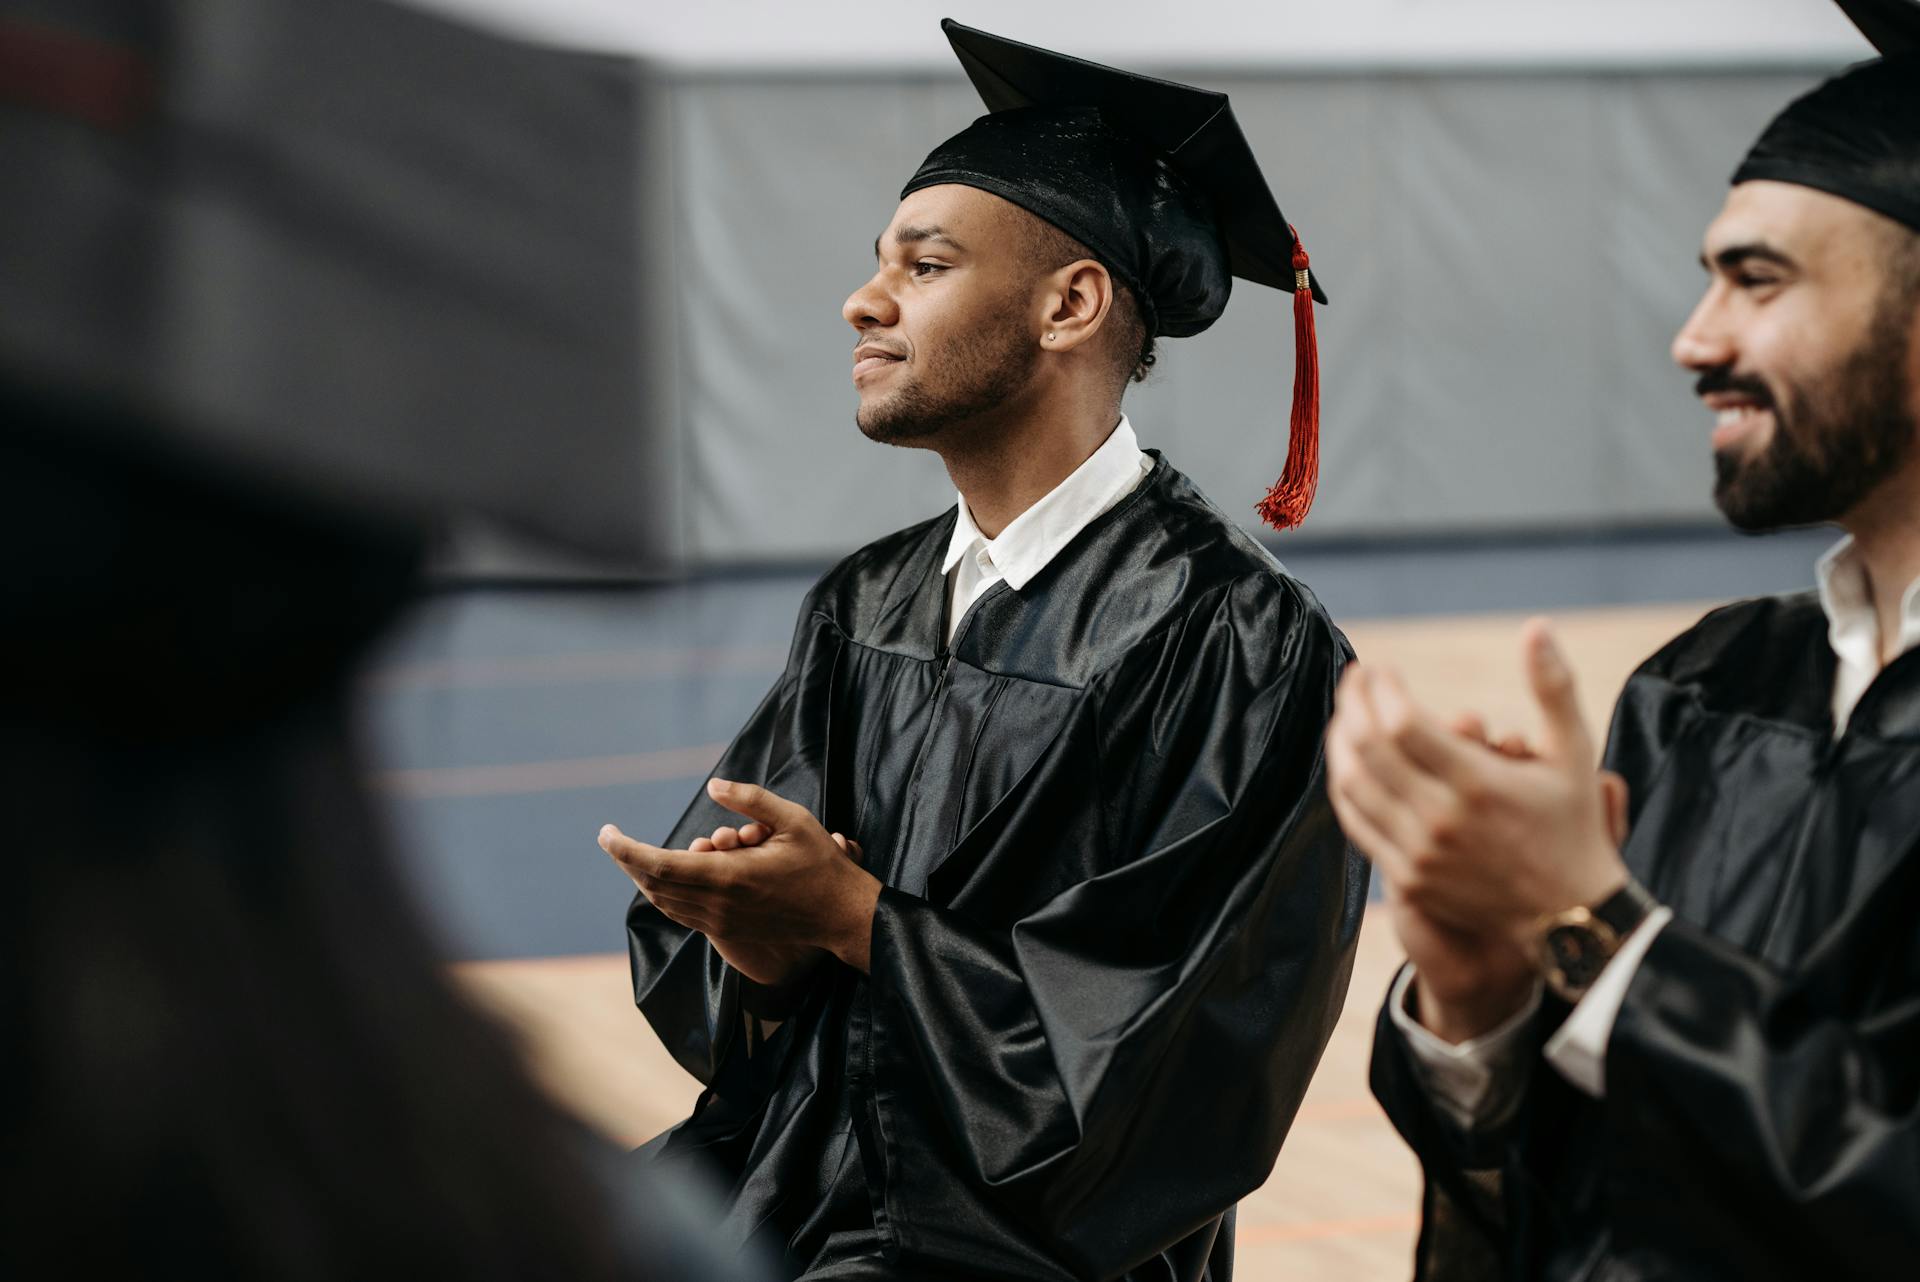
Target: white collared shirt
[[975, 562], [1853, 629], [1476, 1081]]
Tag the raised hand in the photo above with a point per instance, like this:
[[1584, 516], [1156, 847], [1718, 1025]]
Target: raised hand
[[769, 904], [1613, 787], [1474, 840], [771, 963]]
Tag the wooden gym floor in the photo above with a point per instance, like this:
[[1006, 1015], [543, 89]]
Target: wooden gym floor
[[1342, 1202]]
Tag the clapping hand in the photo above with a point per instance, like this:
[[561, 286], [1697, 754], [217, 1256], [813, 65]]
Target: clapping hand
[[773, 897], [1474, 840]]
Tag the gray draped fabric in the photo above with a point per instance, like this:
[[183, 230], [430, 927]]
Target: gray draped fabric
[[1510, 255]]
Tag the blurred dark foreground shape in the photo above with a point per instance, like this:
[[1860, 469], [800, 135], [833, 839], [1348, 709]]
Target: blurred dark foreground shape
[[283, 283]]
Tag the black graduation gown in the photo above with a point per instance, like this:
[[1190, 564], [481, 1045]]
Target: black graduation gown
[[1762, 1115], [1118, 920]]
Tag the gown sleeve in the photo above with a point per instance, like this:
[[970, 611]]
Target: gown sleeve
[[1769, 1121], [1463, 1222], [1465, 1230], [1121, 1065], [689, 995]]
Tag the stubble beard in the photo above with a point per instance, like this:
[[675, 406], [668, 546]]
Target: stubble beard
[[1833, 442], [978, 374]]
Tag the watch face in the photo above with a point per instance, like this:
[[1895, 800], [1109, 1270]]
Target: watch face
[[1575, 954]]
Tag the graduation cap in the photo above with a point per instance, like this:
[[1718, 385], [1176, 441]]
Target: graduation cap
[[1892, 25], [349, 253], [1156, 178], [1858, 135]]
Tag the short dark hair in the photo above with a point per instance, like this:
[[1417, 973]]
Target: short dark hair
[[1050, 249]]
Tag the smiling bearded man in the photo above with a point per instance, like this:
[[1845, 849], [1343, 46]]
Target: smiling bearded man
[[1836, 435], [1721, 1078], [1051, 1014]]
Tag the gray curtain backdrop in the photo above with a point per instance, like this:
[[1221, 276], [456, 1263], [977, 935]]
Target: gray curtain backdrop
[[1508, 257]]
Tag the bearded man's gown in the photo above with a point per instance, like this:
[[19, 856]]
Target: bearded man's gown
[[1762, 1109]]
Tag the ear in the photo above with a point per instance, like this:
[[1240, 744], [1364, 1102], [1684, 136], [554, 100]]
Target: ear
[[1074, 305]]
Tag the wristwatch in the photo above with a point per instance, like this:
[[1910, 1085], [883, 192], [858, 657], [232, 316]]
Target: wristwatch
[[1571, 948]]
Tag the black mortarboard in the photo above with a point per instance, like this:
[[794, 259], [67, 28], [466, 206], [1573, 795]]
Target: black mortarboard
[[348, 252], [1157, 180], [1858, 135]]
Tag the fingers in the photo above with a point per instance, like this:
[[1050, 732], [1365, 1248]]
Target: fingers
[[1384, 826], [732, 838], [777, 813], [678, 903], [1566, 739], [1470, 726], [1473, 728], [850, 848], [1368, 839], [1410, 753], [609, 840], [701, 845], [686, 867], [690, 913], [1516, 748], [622, 848], [674, 900]]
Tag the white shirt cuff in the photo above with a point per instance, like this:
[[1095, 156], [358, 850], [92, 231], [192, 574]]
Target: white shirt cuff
[[1578, 1048], [1475, 1081]]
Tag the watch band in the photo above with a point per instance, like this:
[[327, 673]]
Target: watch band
[[1625, 908]]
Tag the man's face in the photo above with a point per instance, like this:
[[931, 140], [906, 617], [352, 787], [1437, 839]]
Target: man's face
[[946, 324], [1805, 354]]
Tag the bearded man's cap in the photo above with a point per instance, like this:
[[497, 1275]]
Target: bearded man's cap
[[1858, 135]]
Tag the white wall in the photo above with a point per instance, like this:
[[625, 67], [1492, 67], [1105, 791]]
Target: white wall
[[903, 34]]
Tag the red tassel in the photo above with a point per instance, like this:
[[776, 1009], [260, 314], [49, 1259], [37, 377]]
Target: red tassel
[[1287, 502]]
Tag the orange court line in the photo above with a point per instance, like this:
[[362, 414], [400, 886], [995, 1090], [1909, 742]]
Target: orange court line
[[549, 776], [554, 669], [1274, 1234]]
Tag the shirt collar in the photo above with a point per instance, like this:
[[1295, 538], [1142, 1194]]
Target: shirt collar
[[966, 537], [1846, 599], [1843, 588], [1037, 535]]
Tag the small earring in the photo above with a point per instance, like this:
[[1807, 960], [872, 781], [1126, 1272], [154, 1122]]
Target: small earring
[[1049, 338]]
